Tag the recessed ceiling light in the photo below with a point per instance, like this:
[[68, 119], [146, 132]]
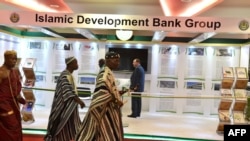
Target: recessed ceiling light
[[186, 0], [124, 35], [54, 5]]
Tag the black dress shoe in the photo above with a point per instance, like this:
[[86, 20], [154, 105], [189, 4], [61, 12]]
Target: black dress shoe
[[131, 116]]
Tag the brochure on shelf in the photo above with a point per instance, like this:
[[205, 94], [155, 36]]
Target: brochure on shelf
[[241, 78], [228, 72], [240, 95], [29, 63], [226, 94], [228, 77], [27, 109], [238, 117], [28, 117], [29, 73], [224, 116], [30, 77], [224, 119], [241, 73]]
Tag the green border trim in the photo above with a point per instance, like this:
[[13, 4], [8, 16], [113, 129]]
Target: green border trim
[[23, 33], [30, 131], [11, 30], [134, 38], [227, 41]]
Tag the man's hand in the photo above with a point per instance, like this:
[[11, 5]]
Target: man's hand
[[82, 104], [135, 88], [129, 92], [79, 101], [20, 99], [122, 92], [119, 103]]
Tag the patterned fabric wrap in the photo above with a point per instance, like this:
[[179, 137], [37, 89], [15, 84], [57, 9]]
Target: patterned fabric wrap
[[103, 119], [64, 117]]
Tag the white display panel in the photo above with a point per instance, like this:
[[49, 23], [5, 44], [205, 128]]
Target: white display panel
[[180, 64]]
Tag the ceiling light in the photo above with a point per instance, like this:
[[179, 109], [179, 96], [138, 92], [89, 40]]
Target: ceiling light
[[159, 36], [41, 6], [193, 8], [86, 33], [201, 6], [124, 35], [33, 5], [186, 0], [45, 31], [202, 37], [54, 5]]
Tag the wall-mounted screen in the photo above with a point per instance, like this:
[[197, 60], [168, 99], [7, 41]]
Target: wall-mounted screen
[[128, 55]]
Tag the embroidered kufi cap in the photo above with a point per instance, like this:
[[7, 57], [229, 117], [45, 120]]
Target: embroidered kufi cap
[[69, 60], [110, 55]]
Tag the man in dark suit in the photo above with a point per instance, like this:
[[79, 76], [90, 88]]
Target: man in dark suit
[[137, 80]]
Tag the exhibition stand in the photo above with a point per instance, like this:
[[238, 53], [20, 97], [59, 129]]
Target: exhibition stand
[[185, 90]]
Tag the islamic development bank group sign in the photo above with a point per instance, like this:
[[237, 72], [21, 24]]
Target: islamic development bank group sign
[[133, 22]]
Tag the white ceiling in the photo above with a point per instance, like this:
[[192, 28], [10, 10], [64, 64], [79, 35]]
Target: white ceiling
[[227, 8]]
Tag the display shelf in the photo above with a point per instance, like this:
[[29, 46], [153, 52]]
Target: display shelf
[[225, 104], [241, 78], [29, 82], [220, 127], [228, 78], [29, 77], [27, 109], [240, 95], [233, 102], [239, 106], [224, 113]]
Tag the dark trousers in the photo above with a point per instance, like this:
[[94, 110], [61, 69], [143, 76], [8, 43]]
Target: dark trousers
[[136, 104]]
